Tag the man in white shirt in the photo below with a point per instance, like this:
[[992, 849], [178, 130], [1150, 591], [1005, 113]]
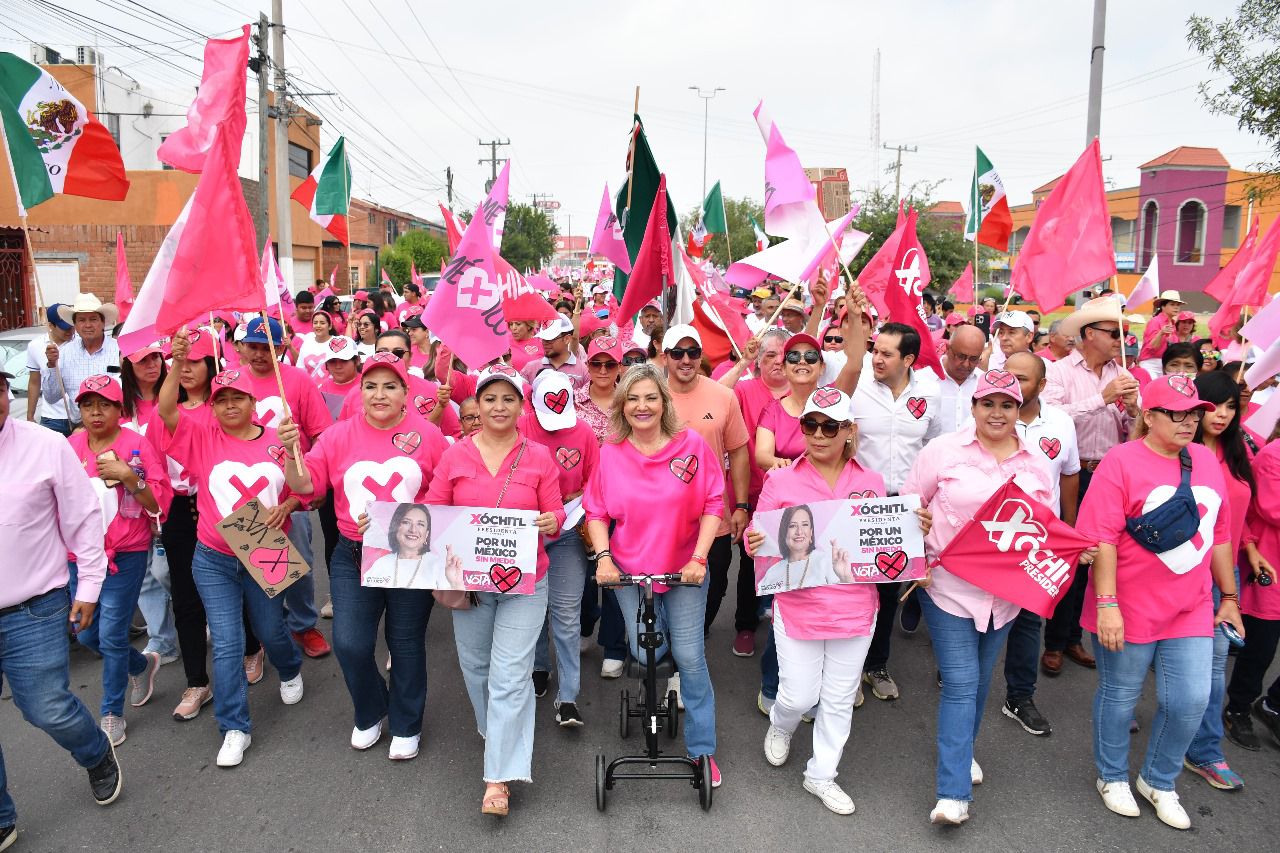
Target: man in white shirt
[[960, 366], [1013, 331], [896, 409], [89, 353], [39, 410]]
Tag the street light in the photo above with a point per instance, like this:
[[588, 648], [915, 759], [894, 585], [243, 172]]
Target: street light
[[706, 95]]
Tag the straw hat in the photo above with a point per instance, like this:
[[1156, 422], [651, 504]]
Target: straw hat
[[1094, 311], [87, 303]]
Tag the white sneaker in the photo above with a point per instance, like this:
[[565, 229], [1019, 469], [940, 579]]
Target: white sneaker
[[953, 812], [1168, 809], [113, 727], [858, 697], [832, 796], [611, 668], [777, 747], [763, 704], [975, 772], [234, 744], [326, 611], [673, 683], [365, 738], [404, 748], [1117, 797], [291, 690]]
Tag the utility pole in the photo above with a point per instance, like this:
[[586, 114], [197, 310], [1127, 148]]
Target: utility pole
[[262, 218], [448, 185], [493, 161], [897, 166], [1097, 50], [284, 223], [706, 116]]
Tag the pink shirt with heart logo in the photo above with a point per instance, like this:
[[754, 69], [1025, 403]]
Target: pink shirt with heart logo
[[125, 534], [421, 399], [305, 403], [575, 451]]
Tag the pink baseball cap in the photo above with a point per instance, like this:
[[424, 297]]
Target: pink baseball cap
[[607, 345], [998, 382], [232, 380], [500, 373], [589, 323], [801, 338], [360, 296], [388, 361], [1184, 316], [1176, 393], [954, 319], [104, 386], [138, 355]]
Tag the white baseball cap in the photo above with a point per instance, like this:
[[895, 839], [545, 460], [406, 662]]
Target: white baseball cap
[[341, 347], [830, 401], [678, 331], [561, 325], [500, 373], [553, 400], [1015, 320]]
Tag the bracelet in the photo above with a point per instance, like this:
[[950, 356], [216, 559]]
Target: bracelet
[[1106, 598], [1104, 604], [600, 555], [744, 507], [1231, 596], [699, 559]]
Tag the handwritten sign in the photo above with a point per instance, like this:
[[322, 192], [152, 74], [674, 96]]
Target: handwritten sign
[[266, 553], [872, 540]]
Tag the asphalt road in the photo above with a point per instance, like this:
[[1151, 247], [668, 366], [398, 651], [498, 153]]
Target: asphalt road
[[302, 788]]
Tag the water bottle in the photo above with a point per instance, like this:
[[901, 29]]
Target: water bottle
[[129, 506]]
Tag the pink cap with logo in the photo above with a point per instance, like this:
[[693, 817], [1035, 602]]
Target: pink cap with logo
[[605, 345], [232, 380], [1176, 393], [386, 361], [102, 385], [998, 382]]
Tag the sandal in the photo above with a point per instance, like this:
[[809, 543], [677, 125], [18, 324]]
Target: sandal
[[497, 798]]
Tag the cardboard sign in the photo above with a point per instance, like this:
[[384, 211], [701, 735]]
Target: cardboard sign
[[875, 540], [477, 549], [266, 553]]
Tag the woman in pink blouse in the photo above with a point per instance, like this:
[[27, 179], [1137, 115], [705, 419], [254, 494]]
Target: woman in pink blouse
[[594, 400], [496, 636], [954, 475]]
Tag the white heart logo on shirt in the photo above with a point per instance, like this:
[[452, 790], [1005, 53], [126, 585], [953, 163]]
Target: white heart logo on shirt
[[309, 363], [397, 480], [233, 484], [108, 500], [140, 429], [1188, 555], [269, 410]]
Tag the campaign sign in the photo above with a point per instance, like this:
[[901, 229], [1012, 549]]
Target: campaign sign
[[477, 549], [874, 540], [266, 552]]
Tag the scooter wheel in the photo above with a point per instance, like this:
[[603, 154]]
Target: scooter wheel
[[601, 772], [673, 714], [624, 715], [704, 786]]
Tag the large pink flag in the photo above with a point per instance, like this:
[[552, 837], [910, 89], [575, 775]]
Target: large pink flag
[[1069, 247], [904, 297], [220, 101], [275, 290], [798, 258], [1249, 288], [789, 197], [465, 311], [1264, 329], [962, 288], [607, 239], [876, 276], [124, 286], [521, 300], [1224, 282]]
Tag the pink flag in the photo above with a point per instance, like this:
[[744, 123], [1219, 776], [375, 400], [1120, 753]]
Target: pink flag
[[876, 276], [904, 295], [653, 269], [465, 310], [1223, 283], [386, 280], [539, 281], [1263, 369], [1264, 329], [1250, 286], [333, 277], [413, 274], [789, 197], [726, 315], [607, 240], [797, 258], [1148, 286], [451, 228], [520, 299], [220, 101], [1069, 247], [124, 286], [275, 290], [1263, 421], [325, 294], [962, 288]]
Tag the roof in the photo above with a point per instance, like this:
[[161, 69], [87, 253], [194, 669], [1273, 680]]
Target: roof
[[1189, 156], [946, 208], [1044, 188]]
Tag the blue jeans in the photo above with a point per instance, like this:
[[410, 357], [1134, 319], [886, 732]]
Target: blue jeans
[[769, 676], [1183, 669], [227, 590], [1021, 656], [1206, 747], [357, 610], [153, 601], [681, 612], [966, 658], [33, 655], [109, 633], [613, 634], [565, 577], [61, 425], [495, 640], [300, 612]]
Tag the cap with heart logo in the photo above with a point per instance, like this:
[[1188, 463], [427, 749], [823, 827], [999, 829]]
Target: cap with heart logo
[[553, 400], [998, 382], [1175, 393], [232, 380], [500, 373], [102, 385], [829, 401], [386, 361], [341, 347]]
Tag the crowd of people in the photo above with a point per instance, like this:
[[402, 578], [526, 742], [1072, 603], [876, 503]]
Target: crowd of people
[[639, 455]]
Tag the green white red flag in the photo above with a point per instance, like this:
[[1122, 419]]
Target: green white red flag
[[989, 221], [326, 192]]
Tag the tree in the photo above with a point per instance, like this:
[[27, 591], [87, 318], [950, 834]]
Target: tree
[[742, 238], [528, 237], [413, 247]]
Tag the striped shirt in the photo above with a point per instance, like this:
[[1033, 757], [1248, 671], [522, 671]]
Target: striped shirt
[[76, 364], [1077, 390]]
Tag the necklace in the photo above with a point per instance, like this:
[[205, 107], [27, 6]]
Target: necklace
[[395, 575], [799, 585]]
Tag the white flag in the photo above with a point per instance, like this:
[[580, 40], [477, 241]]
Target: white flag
[[1148, 286]]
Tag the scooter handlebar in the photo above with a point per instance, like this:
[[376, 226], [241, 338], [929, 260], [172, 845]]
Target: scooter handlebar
[[641, 579]]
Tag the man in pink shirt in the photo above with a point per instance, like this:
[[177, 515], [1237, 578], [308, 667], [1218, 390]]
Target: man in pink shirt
[[304, 309], [58, 513], [1060, 345]]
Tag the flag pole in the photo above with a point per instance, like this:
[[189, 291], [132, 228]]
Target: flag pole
[[977, 211], [631, 154], [1124, 359], [213, 333], [39, 293], [728, 244], [346, 180], [769, 325], [275, 366], [1244, 344]]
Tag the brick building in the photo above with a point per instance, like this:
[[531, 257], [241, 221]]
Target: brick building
[[832, 186]]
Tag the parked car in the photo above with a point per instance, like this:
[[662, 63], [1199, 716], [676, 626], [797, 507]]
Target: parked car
[[13, 355]]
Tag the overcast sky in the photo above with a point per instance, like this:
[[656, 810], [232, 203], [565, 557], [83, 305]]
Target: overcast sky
[[558, 79]]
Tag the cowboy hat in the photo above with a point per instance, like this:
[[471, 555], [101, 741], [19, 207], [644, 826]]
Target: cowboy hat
[[1168, 296], [1098, 310], [87, 303]]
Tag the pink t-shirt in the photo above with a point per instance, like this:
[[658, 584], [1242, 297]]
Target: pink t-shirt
[[788, 441], [305, 403], [125, 534], [753, 397], [1238, 498], [1263, 529], [421, 399], [228, 472], [300, 327], [824, 612], [462, 479], [523, 352], [142, 412], [1162, 596], [575, 451], [657, 501], [181, 481], [362, 464], [1046, 354]]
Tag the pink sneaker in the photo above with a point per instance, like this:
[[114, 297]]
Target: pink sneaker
[[715, 774], [744, 644]]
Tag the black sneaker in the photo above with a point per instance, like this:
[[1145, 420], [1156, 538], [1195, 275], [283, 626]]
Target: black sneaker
[[105, 778], [1028, 715], [1267, 717], [567, 715], [540, 681], [909, 615], [8, 835], [1239, 729]]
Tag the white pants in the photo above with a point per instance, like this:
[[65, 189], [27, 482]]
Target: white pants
[[821, 672]]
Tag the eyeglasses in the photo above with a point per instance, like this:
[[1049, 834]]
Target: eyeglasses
[[833, 339], [829, 428], [469, 419], [952, 355], [1179, 417], [398, 353], [1114, 333], [809, 356], [630, 360], [602, 364], [678, 354]]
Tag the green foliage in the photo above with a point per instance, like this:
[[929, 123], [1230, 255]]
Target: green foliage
[[528, 237], [413, 247], [742, 239]]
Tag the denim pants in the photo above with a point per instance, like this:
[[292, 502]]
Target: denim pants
[[1206, 746], [226, 588], [109, 633], [613, 634], [34, 657], [153, 601], [496, 639], [966, 658], [357, 610], [300, 612], [681, 610], [565, 577], [1183, 672], [61, 425], [1021, 656]]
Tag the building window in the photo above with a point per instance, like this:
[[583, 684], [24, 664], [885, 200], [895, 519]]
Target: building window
[[393, 230], [353, 275], [373, 217], [299, 160], [165, 166], [113, 127], [1231, 226], [1189, 241], [1150, 225], [1122, 231]]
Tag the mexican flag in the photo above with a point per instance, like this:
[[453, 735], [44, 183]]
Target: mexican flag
[[54, 144], [327, 192], [713, 218], [989, 222], [762, 240], [643, 174]]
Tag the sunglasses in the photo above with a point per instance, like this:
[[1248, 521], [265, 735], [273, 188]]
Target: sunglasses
[[833, 339], [631, 360], [1114, 333], [602, 364], [1179, 417], [809, 356], [829, 428], [678, 354], [398, 353]]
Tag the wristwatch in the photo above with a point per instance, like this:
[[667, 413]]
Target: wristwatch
[[743, 507]]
